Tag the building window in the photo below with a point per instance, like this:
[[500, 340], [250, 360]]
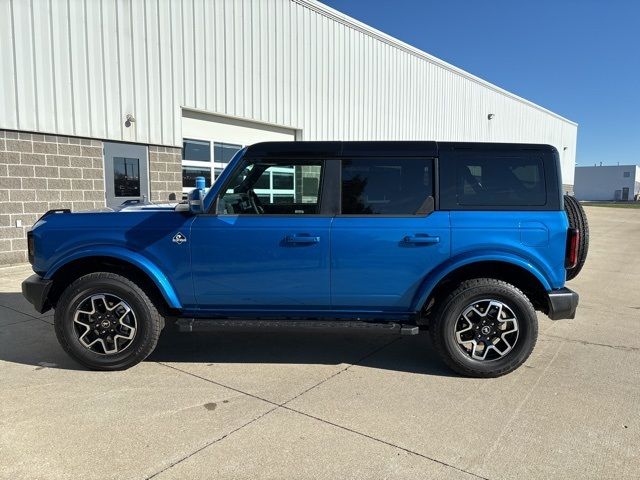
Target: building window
[[224, 152], [197, 160], [283, 180], [626, 174], [189, 175], [386, 186], [126, 177], [196, 150]]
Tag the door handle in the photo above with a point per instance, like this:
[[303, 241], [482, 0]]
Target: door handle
[[305, 239], [421, 239]]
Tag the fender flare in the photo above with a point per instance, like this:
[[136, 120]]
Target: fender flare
[[436, 276], [119, 253]]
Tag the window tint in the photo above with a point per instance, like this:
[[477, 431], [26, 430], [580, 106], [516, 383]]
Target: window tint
[[197, 150], [280, 188], [513, 181], [387, 186]]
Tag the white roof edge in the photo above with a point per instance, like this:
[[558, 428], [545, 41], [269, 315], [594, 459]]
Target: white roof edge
[[624, 165], [364, 28]]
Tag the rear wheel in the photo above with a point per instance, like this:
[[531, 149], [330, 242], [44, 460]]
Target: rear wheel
[[577, 219], [484, 328], [106, 322]]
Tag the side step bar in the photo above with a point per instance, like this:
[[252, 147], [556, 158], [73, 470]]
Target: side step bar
[[195, 324]]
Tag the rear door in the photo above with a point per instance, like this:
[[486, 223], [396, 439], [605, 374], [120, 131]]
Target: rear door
[[388, 237]]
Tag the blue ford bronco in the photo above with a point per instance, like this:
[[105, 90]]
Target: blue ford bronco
[[465, 240]]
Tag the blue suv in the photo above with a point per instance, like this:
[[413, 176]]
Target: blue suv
[[465, 240]]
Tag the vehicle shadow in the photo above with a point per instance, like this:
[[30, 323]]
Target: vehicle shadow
[[29, 340], [388, 351]]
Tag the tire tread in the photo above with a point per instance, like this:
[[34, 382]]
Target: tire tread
[[577, 219], [438, 339], [144, 349]]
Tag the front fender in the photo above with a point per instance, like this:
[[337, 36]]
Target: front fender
[[123, 254], [462, 260]]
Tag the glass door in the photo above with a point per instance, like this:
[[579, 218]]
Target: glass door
[[126, 173]]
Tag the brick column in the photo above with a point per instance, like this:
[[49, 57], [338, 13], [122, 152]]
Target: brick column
[[165, 172], [39, 173]]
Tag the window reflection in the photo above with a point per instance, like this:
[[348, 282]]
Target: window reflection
[[126, 177]]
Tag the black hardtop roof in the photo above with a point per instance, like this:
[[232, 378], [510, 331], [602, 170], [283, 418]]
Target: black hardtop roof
[[379, 148]]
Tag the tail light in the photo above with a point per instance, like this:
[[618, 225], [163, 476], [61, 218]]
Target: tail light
[[573, 240]]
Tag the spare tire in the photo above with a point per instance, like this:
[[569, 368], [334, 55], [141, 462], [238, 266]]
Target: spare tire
[[577, 219]]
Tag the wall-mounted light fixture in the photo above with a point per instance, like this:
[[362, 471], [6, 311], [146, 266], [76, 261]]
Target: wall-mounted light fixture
[[490, 116], [129, 119]]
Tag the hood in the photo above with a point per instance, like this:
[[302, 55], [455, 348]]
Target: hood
[[145, 207]]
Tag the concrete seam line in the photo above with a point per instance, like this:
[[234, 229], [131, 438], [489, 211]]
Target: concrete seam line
[[357, 362], [293, 410], [22, 321], [22, 313], [404, 449], [585, 342], [219, 384], [186, 457], [516, 411]]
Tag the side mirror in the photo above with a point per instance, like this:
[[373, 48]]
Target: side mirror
[[196, 196], [195, 201]]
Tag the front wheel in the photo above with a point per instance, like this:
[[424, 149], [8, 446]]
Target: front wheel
[[485, 328], [106, 322]]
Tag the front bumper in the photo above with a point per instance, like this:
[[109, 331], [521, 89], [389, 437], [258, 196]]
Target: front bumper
[[562, 303], [36, 290]]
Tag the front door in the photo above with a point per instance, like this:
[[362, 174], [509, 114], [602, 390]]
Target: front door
[[625, 194], [267, 244], [388, 237], [126, 173]]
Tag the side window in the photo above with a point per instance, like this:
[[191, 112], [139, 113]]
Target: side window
[[276, 188], [387, 186], [500, 181]]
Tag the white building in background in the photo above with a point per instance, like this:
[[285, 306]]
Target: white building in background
[[140, 79], [607, 182]]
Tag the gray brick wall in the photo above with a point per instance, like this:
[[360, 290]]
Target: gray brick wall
[[165, 172], [41, 172]]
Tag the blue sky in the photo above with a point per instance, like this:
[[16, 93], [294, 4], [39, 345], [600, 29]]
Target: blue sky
[[579, 58]]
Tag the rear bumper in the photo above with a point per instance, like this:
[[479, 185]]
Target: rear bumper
[[36, 290], [562, 304]]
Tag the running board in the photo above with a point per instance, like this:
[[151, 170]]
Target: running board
[[196, 324]]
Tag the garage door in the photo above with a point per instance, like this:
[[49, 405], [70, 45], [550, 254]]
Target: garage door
[[210, 141]]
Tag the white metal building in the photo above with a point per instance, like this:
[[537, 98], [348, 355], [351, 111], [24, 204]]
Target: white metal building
[[141, 76], [608, 182]]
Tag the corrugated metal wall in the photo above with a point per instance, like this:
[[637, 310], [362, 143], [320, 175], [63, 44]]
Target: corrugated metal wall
[[78, 67]]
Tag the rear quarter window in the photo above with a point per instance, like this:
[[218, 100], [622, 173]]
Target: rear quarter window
[[500, 181], [493, 177]]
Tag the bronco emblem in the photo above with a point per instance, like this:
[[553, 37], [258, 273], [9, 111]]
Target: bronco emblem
[[179, 238]]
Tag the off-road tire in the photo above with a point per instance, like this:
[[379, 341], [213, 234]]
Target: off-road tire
[[149, 321], [577, 219], [442, 327]]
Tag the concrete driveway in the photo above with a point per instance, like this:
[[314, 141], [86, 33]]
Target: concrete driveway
[[230, 404]]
